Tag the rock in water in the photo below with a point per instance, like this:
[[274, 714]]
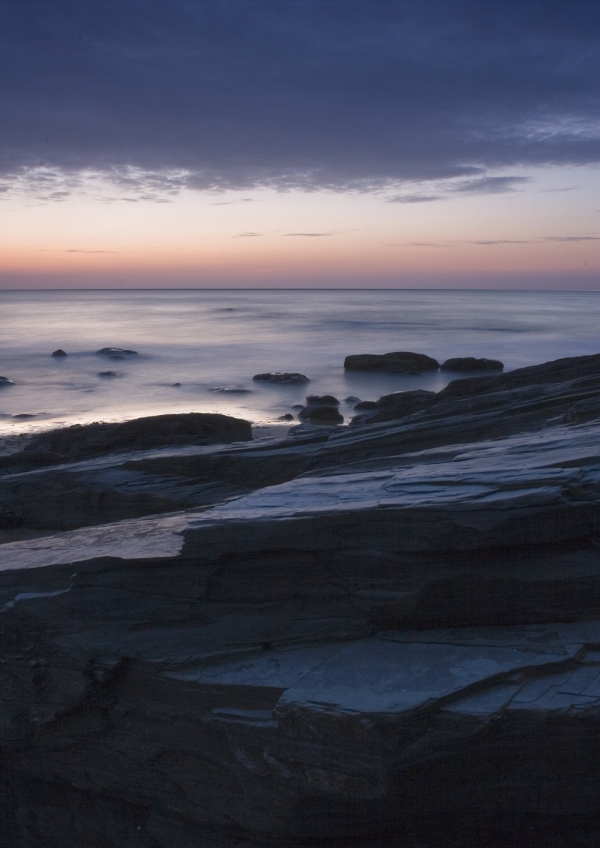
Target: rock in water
[[4, 381], [322, 400], [400, 362], [321, 415], [58, 354], [469, 363], [116, 352], [107, 374], [291, 377]]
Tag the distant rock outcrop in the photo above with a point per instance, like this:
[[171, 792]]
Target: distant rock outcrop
[[291, 377], [470, 363], [59, 354], [4, 381], [399, 362]]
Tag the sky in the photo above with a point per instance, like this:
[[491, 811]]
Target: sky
[[300, 143]]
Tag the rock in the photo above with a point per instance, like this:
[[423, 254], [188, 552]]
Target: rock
[[59, 353], [430, 631], [400, 362], [287, 417], [351, 400], [176, 385], [317, 414], [116, 352], [393, 406], [231, 390], [469, 363], [292, 377], [107, 374], [190, 428], [4, 381], [24, 415], [397, 620], [322, 400]]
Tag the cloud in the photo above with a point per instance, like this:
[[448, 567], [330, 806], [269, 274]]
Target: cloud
[[490, 185], [308, 235], [414, 198], [162, 96], [90, 251], [504, 241], [246, 235], [572, 238]]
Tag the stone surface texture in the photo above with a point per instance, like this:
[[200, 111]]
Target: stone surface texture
[[382, 635]]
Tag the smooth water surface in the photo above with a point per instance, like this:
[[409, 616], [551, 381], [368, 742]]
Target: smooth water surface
[[213, 342]]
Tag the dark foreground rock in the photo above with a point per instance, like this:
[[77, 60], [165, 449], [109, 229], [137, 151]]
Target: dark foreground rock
[[321, 414], [400, 362], [396, 645], [180, 429], [470, 363]]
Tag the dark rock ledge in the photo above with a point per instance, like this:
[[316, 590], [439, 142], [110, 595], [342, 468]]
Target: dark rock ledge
[[391, 639]]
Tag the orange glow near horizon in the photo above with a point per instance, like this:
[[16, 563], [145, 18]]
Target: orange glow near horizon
[[551, 227]]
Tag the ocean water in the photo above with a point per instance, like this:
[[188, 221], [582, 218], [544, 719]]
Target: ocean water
[[212, 342]]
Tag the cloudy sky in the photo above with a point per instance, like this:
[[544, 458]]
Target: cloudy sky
[[201, 143]]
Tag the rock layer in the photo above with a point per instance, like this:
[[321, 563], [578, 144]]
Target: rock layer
[[390, 636]]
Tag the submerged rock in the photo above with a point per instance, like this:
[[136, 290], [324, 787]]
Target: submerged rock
[[399, 362], [4, 381], [107, 374], [291, 377], [469, 363], [116, 352], [58, 354]]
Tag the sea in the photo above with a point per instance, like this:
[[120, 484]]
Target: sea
[[198, 350]]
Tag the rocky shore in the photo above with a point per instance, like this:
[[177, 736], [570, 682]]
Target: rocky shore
[[384, 634]]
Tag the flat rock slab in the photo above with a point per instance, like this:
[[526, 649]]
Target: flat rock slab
[[135, 539]]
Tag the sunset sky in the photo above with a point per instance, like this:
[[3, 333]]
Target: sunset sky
[[192, 143]]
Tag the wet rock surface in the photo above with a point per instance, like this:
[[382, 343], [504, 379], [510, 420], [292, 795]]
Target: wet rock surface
[[385, 635]]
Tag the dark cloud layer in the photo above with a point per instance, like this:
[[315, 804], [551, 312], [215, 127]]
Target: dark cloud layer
[[343, 94]]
